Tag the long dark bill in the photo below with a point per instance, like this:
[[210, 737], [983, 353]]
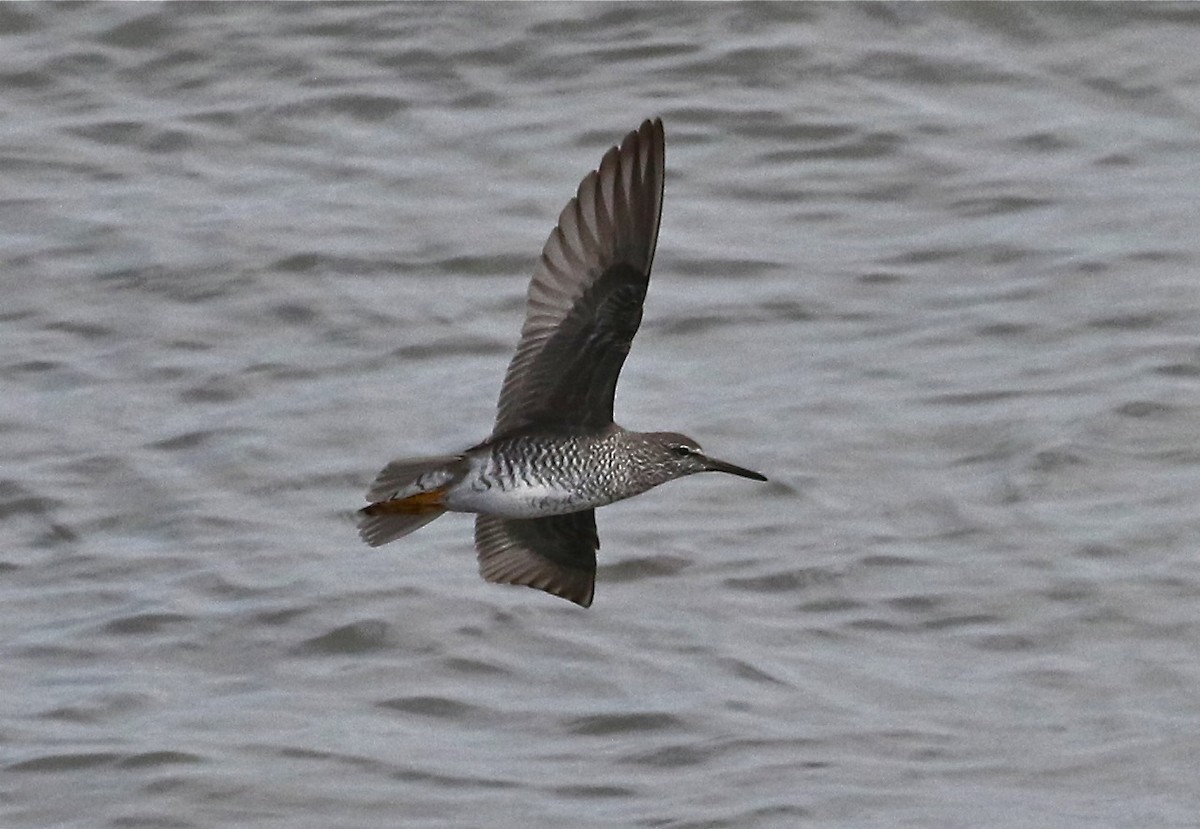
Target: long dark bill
[[714, 465]]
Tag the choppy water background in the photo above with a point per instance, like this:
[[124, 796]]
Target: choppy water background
[[931, 268]]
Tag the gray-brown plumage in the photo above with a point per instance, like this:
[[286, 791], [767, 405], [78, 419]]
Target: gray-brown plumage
[[555, 453]]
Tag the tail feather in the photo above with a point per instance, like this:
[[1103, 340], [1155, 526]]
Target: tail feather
[[406, 496], [399, 475], [381, 527]]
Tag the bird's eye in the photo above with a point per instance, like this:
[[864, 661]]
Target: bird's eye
[[681, 451]]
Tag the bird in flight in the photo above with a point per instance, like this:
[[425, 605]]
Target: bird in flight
[[555, 453]]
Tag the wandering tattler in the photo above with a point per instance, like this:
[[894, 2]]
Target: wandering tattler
[[555, 453]]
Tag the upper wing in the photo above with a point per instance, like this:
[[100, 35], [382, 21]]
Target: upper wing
[[556, 554], [585, 299]]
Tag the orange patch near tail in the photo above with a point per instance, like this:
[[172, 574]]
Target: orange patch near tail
[[419, 504]]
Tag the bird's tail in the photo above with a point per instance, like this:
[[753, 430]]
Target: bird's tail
[[406, 496]]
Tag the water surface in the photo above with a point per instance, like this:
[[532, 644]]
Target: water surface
[[932, 268]]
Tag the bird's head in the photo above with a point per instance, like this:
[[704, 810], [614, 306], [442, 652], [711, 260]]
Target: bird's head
[[674, 456]]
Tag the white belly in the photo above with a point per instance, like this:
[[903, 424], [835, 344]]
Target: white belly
[[534, 501]]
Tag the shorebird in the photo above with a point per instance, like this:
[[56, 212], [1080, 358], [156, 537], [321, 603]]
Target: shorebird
[[555, 453]]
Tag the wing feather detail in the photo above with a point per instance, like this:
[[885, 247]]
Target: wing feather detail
[[585, 298], [556, 554]]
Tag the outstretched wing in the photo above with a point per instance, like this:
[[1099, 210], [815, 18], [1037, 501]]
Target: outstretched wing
[[585, 299], [555, 554]]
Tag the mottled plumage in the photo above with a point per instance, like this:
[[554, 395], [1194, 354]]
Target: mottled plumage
[[555, 453]]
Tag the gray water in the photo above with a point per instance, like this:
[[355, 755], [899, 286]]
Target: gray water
[[932, 268]]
